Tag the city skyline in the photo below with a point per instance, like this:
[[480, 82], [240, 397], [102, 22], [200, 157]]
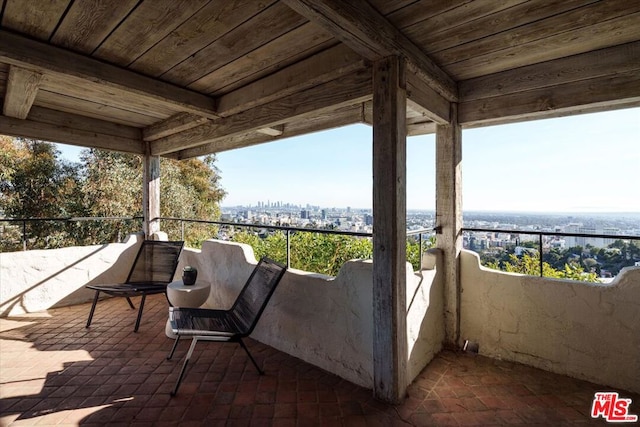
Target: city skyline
[[582, 163]]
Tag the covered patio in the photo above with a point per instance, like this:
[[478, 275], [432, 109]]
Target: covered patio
[[55, 372], [186, 78]]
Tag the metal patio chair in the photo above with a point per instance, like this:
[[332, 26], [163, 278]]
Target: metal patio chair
[[228, 325], [152, 270]]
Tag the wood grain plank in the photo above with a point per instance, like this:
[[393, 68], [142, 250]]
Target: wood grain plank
[[27, 53], [357, 24], [204, 27], [264, 27], [513, 15], [275, 54], [96, 110], [45, 115], [88, 22], [22, 88], [331, 119], [424, 13], [81, 89], [37, 21], [615, 60], [389, 6], [149, 23], [174, 124], [608, 91], [345, 91], [67, 135], [320, 68], [575, 19], [621, 30]]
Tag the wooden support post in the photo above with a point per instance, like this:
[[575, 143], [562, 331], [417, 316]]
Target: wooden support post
[[449, 218], [389, 237], [151, 193]]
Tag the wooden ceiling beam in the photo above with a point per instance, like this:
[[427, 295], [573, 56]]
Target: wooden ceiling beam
[[618, 59], [347, 90], [320, 68], [47, 59], [608, 92], [54, 126], [361, 27], [341, 117], [174, 124], [22, 87]]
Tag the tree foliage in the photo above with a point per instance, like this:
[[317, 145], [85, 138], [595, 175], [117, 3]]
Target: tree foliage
[[36, 183], [320, 252], [530, 265]]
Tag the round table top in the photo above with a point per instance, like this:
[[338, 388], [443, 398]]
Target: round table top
[[181, 295]]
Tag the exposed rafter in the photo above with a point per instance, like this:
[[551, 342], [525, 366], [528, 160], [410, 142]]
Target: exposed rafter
[[54, 126], [361, 27], [317, 69], [174, 124], [65, 65], [347, 90], [340, 117], [22, 87]]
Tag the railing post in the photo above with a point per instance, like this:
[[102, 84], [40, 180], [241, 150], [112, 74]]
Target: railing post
[[420, 251], [182, 230], [24, 235], [540, 249], [288, 248]]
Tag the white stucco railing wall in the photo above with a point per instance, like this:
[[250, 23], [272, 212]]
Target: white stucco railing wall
[[584, 330], [37, 280], [322, 320]]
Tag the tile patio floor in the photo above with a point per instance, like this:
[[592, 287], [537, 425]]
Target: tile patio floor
[[53, 371]]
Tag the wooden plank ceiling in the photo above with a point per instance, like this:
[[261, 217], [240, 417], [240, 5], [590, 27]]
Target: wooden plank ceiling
[[183, 78]]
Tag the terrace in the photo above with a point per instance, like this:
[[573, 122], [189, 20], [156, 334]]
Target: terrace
[[183, 79]]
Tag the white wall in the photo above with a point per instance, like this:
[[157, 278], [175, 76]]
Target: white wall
[[36, 280], [323, 320], [584, 330]]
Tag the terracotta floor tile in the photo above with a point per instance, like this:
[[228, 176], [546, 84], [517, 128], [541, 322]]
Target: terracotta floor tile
[[53, 371]]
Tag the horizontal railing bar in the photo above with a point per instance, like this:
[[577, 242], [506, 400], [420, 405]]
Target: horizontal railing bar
[[273, 227], [552, 233], [78, 218]]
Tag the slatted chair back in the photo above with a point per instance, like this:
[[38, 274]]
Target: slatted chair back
[[155, 263], [255, 294]]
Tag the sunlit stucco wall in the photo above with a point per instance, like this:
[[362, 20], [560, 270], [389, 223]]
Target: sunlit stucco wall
[[584, 330]]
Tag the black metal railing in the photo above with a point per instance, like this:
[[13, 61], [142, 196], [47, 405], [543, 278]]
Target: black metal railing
[[24, 234], [541, 234], [288, 230]]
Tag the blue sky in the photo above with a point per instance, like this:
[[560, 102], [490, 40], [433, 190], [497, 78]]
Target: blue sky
[[585, 163]]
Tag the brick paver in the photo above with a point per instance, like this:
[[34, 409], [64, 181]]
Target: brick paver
[[53, 371]]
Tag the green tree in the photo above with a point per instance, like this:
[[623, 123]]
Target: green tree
[[319, 252], [37, 184]]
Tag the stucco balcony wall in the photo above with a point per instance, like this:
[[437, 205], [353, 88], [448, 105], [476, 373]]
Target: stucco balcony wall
[[584, 330], [37, 280], [323, 320]]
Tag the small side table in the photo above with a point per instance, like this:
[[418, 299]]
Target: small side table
[[180, 295]]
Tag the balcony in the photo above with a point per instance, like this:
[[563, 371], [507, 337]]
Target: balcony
[[545, 347]]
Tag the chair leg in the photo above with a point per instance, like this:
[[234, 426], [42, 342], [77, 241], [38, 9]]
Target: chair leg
[[135, 329], [93, 309], [184, 366], [173, 349], [133, 307], [250, 356]]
